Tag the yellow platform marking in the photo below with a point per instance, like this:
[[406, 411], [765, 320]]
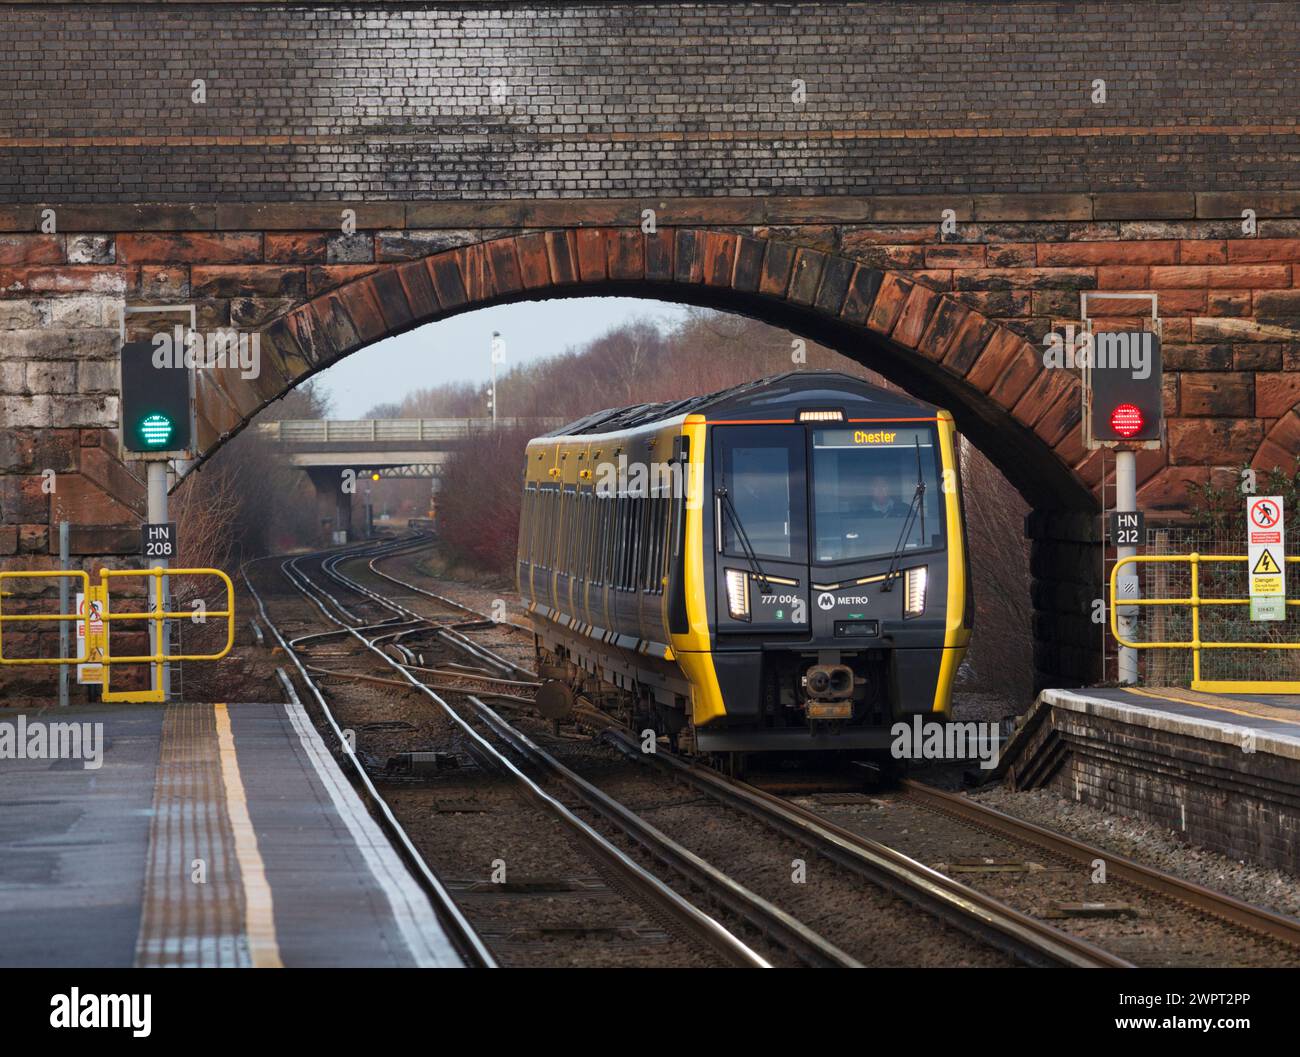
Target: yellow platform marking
[[1192, 697], [259, 917]]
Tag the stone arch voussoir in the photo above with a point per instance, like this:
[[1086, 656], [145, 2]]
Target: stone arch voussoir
[[1281, 445], [941, 349]]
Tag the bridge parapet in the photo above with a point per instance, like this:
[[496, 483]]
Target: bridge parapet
[[352, 431]]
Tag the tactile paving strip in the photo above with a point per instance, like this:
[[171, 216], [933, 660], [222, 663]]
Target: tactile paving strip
[[193, 913]]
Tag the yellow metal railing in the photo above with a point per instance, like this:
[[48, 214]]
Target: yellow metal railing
[[1196, 643], [99, 593]]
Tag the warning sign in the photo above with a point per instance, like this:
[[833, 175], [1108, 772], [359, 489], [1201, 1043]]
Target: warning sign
[[90, 636], [1266, 561]]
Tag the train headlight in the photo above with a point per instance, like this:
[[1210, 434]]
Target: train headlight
[[914, 595], [738, 594]]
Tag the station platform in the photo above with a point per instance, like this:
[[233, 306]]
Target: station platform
[[1221, 769], [195, 835]]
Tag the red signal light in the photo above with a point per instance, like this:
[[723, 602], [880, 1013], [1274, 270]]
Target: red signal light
[[1127, 420]]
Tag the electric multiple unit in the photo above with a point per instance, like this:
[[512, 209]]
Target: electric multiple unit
[[778, 566]]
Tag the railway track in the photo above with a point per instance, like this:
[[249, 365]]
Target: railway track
[[1217, 905], [368, 634], [1023, 938], [1028, 937], [470, 945]]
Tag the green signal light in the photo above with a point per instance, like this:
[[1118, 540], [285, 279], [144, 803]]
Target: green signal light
[[156, 430]]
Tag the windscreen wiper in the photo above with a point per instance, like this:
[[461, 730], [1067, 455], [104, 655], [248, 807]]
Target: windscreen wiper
[[917, 504], [724, 496]]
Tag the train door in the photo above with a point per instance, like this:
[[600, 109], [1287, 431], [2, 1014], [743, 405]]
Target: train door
[[760, 521]]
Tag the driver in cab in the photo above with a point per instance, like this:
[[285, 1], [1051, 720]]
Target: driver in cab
[[883, 500]]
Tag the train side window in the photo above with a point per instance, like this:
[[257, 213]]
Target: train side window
[[652, 535], [602, 540], [544, 558], [557, 523], [539, 515], [607, 541], [533, 516], [665, 539], [661, 542], [642, 505], [629, 541], [552, 525], [589, 556], [579, 536], [570, 533], [629, 565], [652, 542], [525, 536], [616, 577], [557, 544], [638, 543], [593, 554], [557, 539], [543, 514], [539, 528]]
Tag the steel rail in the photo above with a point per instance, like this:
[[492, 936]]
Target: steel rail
[[1219, 904], [791, 933], [647, 886], [1026, 938], [420, 543]]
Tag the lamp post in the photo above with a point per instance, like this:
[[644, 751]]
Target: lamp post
[[497, 355]]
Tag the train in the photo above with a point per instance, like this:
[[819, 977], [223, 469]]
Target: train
[[777, 567]]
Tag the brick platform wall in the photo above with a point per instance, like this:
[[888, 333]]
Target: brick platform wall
[[1200, 785]]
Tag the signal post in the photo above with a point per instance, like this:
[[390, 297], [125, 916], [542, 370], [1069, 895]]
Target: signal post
[[157, 427], [1123, 409]]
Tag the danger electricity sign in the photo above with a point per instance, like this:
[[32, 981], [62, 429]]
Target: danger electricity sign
[[1266, 557], [90, 636]]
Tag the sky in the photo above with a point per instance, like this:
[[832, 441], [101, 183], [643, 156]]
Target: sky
[[458, 349]]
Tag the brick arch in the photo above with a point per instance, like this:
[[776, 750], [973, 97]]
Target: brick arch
[[1024, 417], [1280, 443]]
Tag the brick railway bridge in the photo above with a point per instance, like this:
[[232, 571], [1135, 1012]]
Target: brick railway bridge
[[926, 187]]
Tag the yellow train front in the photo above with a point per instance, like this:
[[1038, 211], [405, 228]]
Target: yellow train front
[[779, 566]]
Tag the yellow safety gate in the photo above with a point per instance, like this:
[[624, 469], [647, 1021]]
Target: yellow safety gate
[[99, 592], [1247, 686]]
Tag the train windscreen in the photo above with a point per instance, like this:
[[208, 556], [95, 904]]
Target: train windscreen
[[865, 491], [762, 469]]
